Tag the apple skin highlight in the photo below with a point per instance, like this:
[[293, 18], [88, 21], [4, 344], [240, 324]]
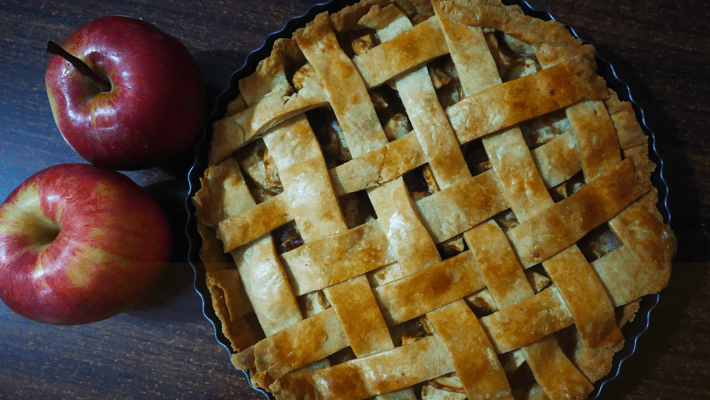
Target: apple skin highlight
[[156, 104], [79, 244]]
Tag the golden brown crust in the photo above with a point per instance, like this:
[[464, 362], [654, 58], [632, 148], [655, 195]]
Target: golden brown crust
[[334, 259], [459, 232], [406, 234], [379, 166], [360, 316], [361, 378], [569, 220], [471, 352], [391, 58], [346, 91], [223, 193], [505, 105], [451, 211], [231, 305]]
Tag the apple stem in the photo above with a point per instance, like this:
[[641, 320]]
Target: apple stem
[[80, 65]]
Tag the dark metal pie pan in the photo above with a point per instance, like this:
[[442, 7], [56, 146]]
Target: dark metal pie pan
[[632, 331]]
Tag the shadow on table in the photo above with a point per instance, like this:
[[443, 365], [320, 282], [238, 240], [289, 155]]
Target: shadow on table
[[176, 285]]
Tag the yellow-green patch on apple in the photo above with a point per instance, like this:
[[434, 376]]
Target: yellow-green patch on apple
[[80, 243]]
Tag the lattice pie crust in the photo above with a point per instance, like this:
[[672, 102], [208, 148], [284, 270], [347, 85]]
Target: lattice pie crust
[[429, 200]]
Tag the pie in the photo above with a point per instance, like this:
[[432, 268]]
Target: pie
[[438, 199]]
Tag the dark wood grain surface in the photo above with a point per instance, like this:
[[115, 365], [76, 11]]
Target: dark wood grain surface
[[165, 348]]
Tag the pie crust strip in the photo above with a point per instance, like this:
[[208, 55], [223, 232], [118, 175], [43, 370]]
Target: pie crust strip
[[336, 258], [360, 317], [257, 263], [471, 352], [378, 166], [558, 160], [395, 56], [407, 236], [567, 221], [369, 376], [294, 347], [266, 285], [512, 102], [278, 106], [255, 222], [646, 259], [305, 182], [231, 304], [429, 289], [596, 135], [555, 373], [346, 91], [223, 193], [596, 322], [454, 210]]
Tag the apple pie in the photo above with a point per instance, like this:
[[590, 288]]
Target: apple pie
[[435, 199]]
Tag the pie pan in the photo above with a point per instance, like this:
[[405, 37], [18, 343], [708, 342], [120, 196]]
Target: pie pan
[[632, 331]]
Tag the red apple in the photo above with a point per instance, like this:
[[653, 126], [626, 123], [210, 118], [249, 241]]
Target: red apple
[[78, 244], [148, 107]]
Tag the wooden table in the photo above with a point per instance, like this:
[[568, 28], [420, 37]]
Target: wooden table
[[165, 348]]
